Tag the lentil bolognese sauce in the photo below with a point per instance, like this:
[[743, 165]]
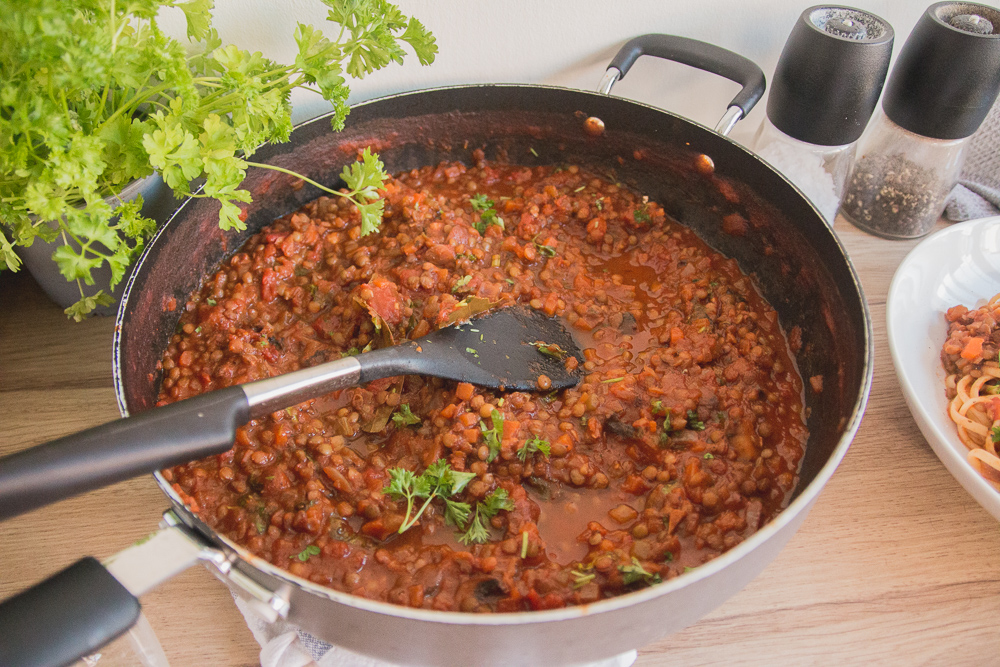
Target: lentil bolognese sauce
[[682, 439]]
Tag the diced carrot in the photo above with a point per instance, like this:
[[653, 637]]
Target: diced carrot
[[468, 419], [676, 335], [464, 391], [973, 348], [449, 411], [471, 435]]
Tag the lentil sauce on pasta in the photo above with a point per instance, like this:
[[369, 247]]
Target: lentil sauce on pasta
[[683, 438], [970, 356]]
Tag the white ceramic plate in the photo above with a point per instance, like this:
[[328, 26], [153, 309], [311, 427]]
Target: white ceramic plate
[[957, 265]]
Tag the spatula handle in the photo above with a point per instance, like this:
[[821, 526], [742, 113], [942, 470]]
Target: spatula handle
[[154, 439]]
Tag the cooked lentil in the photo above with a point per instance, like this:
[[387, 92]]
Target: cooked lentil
[[683, 438]]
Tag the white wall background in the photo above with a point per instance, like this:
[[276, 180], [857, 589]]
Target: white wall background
[[559, 42]]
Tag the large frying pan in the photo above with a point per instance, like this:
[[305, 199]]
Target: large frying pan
[[743, 208]]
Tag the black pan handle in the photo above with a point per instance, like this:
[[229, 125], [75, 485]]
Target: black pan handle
[[154, 439], [69, 615], [707, 57]]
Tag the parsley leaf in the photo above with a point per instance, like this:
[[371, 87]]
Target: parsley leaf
[[536, 444], [486, 509], [493, 436], [995, 434], [311, 550], [405, 416]]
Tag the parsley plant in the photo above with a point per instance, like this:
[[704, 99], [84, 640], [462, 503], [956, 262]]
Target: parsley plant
[[94, 95]]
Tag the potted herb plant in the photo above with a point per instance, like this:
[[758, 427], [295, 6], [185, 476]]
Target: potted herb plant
[[95, 97]]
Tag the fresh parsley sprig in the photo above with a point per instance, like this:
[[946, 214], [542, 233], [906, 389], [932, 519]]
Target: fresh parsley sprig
[[437, 481], [486, 509], [94, 96]]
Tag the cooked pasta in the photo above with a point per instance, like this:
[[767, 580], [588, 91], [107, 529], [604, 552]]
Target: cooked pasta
[[971, 357]]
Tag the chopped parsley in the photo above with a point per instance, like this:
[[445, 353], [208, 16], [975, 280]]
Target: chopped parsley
[[405, 416], [460, 283], [550, 350], [693, 422], [546, 250], [995, 434], [487, 214], [352, 352], [536, 444], [311, 550], [641, 215], [211, 302], [708, 455], [636, 572]]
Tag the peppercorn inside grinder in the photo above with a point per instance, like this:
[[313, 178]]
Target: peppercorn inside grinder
[[825, 87], [944, 82]]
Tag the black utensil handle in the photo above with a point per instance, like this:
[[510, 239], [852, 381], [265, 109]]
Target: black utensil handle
[[154, 439], [708, 57], [69, 615]]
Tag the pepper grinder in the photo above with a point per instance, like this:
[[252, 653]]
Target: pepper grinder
[[942, 86], [824, 90]]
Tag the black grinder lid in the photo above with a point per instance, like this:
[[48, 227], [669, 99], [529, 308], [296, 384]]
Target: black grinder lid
[[947, 75], [830, 75]]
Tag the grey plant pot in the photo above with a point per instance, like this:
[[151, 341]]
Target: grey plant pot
[[158, 204]]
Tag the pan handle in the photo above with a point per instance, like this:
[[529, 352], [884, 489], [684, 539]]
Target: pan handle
[[702, 55]]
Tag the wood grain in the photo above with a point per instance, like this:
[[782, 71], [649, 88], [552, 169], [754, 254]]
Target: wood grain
[[896, 564]]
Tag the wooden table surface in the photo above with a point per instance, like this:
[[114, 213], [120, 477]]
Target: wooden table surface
[[896, 564]]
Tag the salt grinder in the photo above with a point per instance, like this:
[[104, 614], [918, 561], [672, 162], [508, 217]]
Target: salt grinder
[[824, 90], [943, 84]]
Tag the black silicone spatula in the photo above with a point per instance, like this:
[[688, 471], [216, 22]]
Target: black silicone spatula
[[506, 349]]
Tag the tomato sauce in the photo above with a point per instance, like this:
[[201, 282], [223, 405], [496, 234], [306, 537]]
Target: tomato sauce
[[683, 438]]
